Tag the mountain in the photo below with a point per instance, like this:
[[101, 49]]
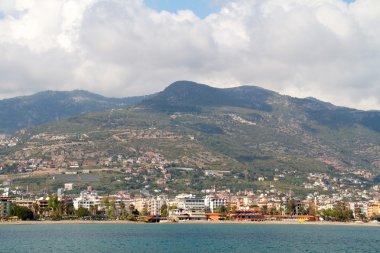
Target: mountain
[[47, 106], [186, 96], [249, 131]]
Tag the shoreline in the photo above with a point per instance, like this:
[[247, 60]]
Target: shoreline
[[74, 222]]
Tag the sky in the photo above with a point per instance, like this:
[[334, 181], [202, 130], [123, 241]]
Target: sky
[[201, 8], [327, 49]]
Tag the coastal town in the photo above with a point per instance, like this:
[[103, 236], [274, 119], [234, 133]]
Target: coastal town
[[148, 189], [213, 205]]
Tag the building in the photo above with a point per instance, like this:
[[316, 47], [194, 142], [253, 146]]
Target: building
[[23, 202], [180, 214], [192, 204], [5, 207], [358, 208], [69, 186], [140, 203], [373, 210], [188, 208], [253, 214], [154, 205], [87, 200], [211, 203]]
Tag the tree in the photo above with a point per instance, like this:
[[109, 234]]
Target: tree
[[222, 210], [70, 210], [312, 209], [22, 212], [93, 210], [264, 209], [338, 213], [359, 215], [172, 207], [55, 206], [133, 211], [35, 209], [122, 208], [131, 208], [302, 211], [291, 207], [106, 202], [136, 212], [145, 212], [273, 211], [111, 211], [164, 210], [82, 212]]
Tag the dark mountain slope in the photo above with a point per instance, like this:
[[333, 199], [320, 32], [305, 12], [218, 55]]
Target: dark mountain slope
[[43, 107]]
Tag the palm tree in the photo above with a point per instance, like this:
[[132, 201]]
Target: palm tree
[[92, 210], [122, 208], [131, 208], [55, 206], [35, 209]]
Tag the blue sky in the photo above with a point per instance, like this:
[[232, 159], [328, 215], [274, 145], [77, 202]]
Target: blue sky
[[202, 8]]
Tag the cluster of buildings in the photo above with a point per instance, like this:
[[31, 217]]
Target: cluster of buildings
[[215, 205], [151, 170]]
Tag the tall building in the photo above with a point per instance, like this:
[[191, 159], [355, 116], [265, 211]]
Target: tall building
[[87, 200], [155, 204], [373, 210], [5, 207], [212, 202]]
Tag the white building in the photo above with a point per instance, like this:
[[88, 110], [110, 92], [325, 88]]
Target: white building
[[192, 204], [154, 205], [69, 186], [87, 199], [211, 202], [358, 206]]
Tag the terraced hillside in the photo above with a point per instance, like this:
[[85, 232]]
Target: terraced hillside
[[247, 132]]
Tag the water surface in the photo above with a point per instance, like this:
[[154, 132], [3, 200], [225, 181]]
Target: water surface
[[188, 238]]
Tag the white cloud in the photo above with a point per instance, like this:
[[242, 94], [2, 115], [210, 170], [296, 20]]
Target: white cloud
[[327, 48]]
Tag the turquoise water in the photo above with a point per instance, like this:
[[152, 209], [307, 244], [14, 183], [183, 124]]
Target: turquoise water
[[188, 238]]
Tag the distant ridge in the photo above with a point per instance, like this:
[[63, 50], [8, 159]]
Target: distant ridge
[[181, 96], [43, 107]]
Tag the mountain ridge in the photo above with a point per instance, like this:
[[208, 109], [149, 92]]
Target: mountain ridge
[[186, 96], [46, 106], [249, 131]]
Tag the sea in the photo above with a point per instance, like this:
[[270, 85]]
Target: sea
[[225, 238]]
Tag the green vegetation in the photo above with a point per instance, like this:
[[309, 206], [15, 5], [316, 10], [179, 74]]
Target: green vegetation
[[338, 213], [250, 132], [82, 212], [48, 106], [22, 212]]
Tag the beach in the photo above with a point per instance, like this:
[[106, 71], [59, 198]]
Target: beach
[[317, 223]]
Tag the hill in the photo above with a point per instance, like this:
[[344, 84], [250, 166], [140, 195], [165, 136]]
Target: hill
[[43, 107], [248, 132]]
